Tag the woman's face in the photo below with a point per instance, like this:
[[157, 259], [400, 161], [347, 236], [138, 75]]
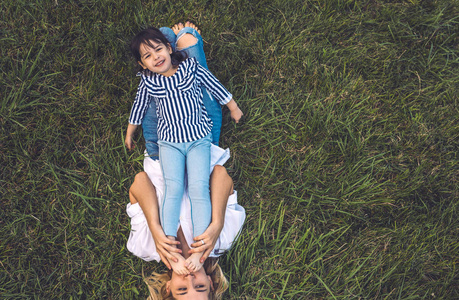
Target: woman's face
[[196, 285]]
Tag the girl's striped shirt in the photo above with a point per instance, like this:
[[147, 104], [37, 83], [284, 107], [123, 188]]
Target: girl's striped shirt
[[182, 116]]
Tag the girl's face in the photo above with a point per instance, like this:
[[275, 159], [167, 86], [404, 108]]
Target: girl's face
[[196, 285], [157, 58]]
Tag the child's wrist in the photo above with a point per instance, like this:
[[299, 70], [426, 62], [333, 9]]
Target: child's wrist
[[232, 105]]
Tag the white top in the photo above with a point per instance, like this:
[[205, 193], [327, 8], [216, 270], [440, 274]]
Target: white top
[[141, 242]]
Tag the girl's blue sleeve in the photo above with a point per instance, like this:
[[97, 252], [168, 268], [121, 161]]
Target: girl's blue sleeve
[[140, 104], [211, 83]]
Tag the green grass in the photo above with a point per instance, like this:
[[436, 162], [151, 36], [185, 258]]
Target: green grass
[[346, 161]]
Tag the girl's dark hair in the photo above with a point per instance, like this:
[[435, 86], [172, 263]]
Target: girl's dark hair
[[154, 34]]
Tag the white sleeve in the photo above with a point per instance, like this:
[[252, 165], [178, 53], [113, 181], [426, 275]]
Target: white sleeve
[[218, 156], [234, 220], [140, 241]]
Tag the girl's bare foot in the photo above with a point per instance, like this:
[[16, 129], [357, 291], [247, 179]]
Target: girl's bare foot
[[178, 267], [192, 262]]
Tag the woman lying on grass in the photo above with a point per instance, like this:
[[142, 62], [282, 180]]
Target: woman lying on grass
[[147, 238], [148, 241]]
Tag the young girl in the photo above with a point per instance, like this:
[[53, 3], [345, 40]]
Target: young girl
[[174, 84]]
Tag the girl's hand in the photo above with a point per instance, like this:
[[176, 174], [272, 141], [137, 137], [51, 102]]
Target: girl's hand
[[165, 246], [236, 114], [130, 144], [210, 237], [128, 141]]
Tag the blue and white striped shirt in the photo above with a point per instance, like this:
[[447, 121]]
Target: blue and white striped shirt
[[182, 116]]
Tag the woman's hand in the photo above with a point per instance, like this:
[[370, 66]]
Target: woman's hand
[[165, 246], [210, 237]]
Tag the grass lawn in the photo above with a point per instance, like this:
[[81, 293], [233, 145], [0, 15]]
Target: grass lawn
[[346, 161]]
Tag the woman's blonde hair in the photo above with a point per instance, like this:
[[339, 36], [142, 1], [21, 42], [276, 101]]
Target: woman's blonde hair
[[157, 282]]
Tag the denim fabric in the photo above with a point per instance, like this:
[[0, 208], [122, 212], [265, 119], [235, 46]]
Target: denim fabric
[[213, 108], [150, 131], [174, 157]]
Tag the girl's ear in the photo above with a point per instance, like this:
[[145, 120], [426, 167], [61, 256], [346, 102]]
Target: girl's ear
[[141, 64], [170, 48]]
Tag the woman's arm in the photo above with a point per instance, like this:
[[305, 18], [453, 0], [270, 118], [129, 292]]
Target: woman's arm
[[221, 187], [143, 192]]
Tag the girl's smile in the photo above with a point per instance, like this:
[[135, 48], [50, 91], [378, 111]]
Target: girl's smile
[[156, 57]]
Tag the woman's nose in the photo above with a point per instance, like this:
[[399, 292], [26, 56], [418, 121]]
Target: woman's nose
[[190, 277]]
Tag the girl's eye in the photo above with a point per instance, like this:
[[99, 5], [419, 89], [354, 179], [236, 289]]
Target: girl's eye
[[199, 286], [159, 49]]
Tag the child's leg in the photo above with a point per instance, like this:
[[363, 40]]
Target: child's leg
[[172, 161], [198, 173], [195, 48]]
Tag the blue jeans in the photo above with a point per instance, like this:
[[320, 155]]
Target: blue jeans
[[213, 108], [173, 159]]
